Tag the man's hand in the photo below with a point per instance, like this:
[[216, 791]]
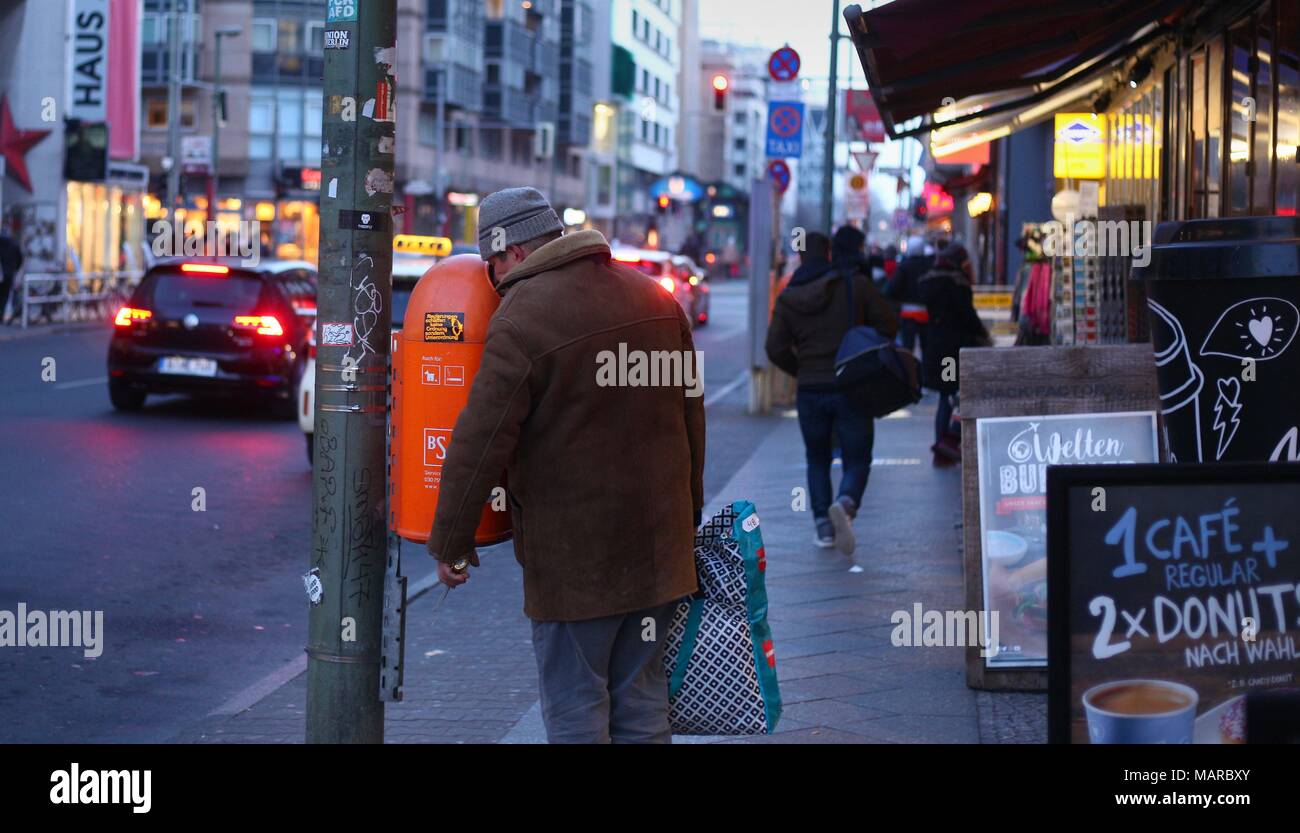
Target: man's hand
[[451, 577]]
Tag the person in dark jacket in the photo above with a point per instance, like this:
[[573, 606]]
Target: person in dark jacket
[[954, 324], [811, 318], [11, 260], [904, 289]]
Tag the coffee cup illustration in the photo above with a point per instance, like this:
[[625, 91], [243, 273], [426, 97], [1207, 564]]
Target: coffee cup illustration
[[1141, 711], [1181, 380]]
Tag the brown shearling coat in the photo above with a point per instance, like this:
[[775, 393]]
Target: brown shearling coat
[[603, 480]]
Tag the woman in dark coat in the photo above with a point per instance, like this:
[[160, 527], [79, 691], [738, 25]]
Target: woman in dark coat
[[954, 324]]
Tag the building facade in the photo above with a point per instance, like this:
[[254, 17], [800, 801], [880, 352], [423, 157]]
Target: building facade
[[508, 85], [71, 191]]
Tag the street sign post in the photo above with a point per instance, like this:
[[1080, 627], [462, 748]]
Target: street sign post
[[783, 65], [349, 545], [784, 129], [857, 197], [779, 172]]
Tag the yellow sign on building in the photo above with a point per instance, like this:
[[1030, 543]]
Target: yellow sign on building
[[1079, 149]]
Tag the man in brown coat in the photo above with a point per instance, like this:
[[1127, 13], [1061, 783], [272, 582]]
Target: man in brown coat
[[604, 469]]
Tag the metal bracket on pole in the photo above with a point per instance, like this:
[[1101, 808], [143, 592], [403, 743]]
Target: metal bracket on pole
[[392, 665]]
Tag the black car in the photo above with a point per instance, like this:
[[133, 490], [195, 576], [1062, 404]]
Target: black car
[[214, 327]]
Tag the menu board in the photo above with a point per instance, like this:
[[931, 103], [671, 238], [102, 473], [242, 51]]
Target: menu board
[[1175, 591], [1014, 453]]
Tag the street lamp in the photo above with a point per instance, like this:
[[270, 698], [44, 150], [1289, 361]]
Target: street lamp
[[218, 100]]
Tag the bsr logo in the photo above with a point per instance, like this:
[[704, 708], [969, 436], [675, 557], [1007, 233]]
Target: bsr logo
[[436, 441]]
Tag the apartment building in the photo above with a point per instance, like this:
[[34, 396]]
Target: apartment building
[[510, 83], [641, 117]]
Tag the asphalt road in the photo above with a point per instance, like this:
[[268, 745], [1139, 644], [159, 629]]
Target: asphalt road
[[98, 514]]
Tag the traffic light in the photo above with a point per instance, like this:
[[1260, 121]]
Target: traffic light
[[919, 209], [720, 86], [663, 203]]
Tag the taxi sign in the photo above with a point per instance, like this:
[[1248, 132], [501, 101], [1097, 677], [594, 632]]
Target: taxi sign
[[418, 244]]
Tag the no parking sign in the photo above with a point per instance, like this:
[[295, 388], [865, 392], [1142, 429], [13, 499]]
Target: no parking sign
[[784, 129], [779, 172]]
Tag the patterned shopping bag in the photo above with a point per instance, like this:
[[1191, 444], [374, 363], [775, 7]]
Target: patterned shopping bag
[[719, 658]]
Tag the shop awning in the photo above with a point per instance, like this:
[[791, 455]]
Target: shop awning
[[952, 62]]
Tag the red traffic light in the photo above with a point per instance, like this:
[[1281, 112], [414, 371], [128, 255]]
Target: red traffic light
[[721, 83], [663, 201]]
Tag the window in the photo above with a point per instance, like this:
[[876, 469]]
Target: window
[[153, 29], [636, 23], [263, 35], [428, 128], [1287, 70], [604, 185], [740, 170], [289, 42], [315, 38], [155, 113]]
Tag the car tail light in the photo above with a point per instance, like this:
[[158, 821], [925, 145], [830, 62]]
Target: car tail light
[[668, 284], [266, 325], [695, 280], [204, 269], [127, 316]]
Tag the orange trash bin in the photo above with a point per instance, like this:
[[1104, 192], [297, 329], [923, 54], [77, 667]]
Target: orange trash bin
[[435, 359]]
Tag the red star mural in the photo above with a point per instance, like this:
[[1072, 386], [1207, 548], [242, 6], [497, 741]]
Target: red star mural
[[15, 143]]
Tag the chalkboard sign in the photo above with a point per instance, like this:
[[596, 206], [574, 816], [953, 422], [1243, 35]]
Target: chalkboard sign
[[1014, 453], [1174, 591]]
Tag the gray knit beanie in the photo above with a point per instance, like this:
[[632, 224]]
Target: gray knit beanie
[[523, 214]]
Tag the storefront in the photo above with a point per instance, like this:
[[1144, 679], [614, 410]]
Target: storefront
[[1163, 111], [104, 227]]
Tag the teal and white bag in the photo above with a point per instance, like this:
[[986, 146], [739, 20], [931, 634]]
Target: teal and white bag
[[719, 658]]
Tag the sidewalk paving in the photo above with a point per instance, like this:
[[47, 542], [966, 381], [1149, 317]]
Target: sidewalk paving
[[471, 675]]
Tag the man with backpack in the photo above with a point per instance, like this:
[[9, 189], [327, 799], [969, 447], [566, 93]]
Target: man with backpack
[[812, 316]]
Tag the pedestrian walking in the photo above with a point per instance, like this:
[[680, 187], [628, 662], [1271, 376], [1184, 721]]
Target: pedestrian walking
[[605, 480], [11, 260], [954, 324], [905, 291], [811, 318]]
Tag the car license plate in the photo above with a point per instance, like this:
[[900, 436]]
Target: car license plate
[[187, 366]]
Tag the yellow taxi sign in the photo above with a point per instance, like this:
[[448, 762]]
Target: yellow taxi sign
[[1079, 149], [418, 244]]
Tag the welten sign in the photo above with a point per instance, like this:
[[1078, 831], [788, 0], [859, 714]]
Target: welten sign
[[1175, 593], [1013, 456]]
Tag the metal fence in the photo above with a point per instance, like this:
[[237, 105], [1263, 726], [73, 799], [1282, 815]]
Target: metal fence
[[49, 297]]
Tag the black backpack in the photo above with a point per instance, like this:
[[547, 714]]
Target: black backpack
[[878, 377]]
